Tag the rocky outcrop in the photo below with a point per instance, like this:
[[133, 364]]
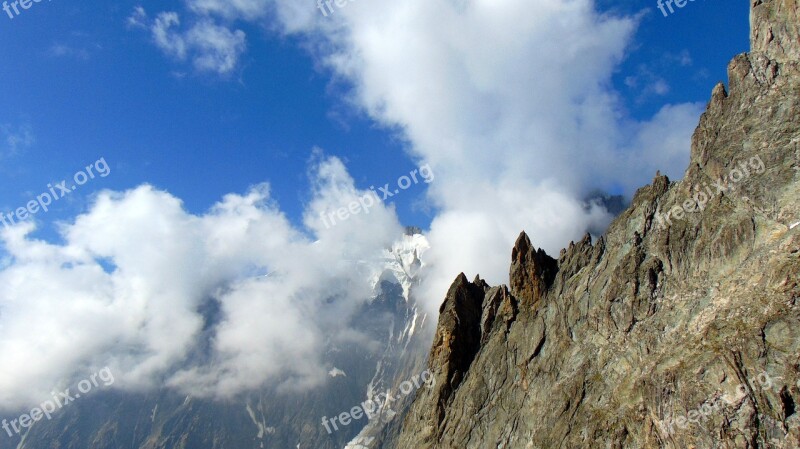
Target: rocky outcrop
[[775, 29], [679, 328], [532, 272]]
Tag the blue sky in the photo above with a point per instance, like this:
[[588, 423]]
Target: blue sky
[[85, 85]]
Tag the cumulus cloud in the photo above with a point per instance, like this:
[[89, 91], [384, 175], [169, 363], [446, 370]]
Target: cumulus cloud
[[131, 284], [15, 139], [211, 47]]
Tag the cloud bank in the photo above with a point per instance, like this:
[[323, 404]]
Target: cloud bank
[[131, 284]]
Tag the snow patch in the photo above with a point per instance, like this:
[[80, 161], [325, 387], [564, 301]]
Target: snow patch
[[411, 327], [402, 263], [360, 443], [335, 372], [262, 427]]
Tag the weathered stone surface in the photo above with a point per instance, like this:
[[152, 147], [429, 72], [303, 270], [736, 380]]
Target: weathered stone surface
[[532, 272], [775, 29], [676, 331]]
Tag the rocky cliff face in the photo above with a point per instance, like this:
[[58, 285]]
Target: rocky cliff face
[[679, 328]]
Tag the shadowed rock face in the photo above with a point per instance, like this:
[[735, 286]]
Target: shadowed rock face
[[532, 272], [679, 328]]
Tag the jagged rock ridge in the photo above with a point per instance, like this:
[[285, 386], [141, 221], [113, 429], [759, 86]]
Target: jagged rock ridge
[[679, 328]]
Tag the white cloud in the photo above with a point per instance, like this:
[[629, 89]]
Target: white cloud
[[15, 139], [683, 58], [138, 19], [211, 47], [170, 42], [662, 143], [217, 48], [62, 315], [64, 50], [232, 9]]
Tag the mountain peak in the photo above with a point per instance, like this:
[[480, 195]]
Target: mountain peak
[[532, 271]]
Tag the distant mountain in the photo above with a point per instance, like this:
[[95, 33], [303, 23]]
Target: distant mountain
[[678, 328]]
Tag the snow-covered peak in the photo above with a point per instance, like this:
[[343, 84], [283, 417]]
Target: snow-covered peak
[[403, 262]]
